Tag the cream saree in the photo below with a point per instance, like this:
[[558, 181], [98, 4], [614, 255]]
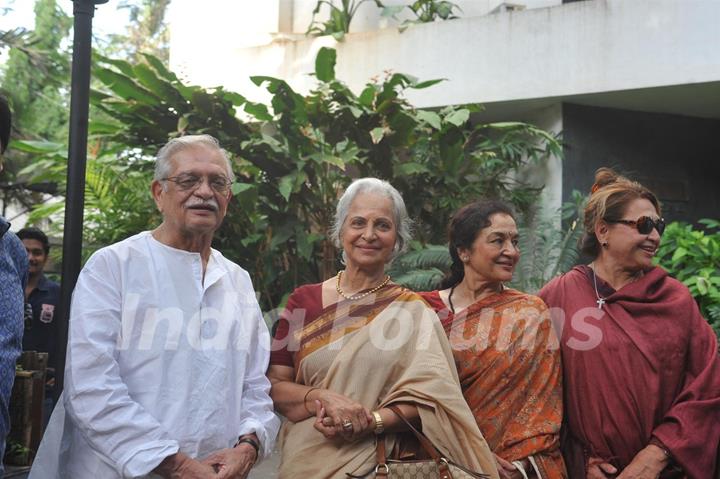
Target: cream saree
[[386, 349]]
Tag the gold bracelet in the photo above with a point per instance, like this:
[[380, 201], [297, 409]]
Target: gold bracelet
[[306, 398], [379, 424]]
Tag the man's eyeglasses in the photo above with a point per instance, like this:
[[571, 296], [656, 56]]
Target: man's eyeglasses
[[644, 224], [186, 182]]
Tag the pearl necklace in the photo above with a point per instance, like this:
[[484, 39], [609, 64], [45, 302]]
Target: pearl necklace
[[361, 295]]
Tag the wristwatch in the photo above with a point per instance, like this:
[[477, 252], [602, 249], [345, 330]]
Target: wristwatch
[[251, 441]]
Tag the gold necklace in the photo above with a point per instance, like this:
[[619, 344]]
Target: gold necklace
[[361, 295]]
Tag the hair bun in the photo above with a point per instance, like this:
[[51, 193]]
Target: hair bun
[[603, 177]]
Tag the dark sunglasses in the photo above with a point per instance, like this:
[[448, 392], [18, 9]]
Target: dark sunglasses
[[644, 224]]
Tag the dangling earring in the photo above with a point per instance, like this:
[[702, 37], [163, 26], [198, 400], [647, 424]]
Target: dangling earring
[[604, 244]]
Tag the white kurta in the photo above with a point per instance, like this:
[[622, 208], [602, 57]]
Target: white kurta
[[159, 361]]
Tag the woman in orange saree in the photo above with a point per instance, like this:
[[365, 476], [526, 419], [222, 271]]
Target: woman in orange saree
[[349, 347], [504, 346]]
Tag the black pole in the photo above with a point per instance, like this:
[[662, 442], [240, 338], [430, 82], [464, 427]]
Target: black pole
[[83, 10]]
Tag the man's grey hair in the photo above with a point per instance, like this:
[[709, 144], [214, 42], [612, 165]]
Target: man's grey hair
[[163, 163], [403, 223]]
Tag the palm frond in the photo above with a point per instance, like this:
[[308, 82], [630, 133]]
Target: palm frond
[[431, 256], [422, 269], [420, 279], [26, 42]]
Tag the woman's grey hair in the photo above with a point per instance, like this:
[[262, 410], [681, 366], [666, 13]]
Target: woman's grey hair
[[373, 185], [163, 163]]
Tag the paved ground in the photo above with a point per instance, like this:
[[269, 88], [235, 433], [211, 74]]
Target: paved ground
[[268, 468]]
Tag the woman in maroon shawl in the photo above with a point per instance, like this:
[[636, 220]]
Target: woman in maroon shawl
[[641, 367]]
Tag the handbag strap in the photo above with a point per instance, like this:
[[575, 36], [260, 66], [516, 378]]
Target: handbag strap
[[382, 470], [424, 441]]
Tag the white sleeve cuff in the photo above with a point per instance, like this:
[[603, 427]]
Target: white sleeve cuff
[[249, 426], [140, 463]]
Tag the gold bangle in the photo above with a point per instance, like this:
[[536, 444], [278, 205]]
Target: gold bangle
[[379, 424], [306, 398]]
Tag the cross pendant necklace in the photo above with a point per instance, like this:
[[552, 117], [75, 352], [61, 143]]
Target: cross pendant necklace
[[600, 300]]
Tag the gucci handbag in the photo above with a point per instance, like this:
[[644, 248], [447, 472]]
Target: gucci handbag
[[437, 467]]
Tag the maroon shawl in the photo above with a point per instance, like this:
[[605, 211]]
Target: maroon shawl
[[644, 368]]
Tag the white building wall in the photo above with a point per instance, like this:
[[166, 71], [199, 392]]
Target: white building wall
[[206, 34], [244, 23], [577, 48], [548, 173]]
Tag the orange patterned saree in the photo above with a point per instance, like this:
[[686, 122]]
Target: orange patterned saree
[[508, 361]]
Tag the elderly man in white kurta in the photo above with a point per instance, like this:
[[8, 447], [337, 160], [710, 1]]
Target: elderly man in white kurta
[[167, 348]]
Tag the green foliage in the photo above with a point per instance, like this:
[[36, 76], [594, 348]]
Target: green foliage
[[297, 154], [314, 145], [150, 104], [692, 256], [423, 11], [23, 41], [146, 31], [548, 245], [431, 10], [36, 78], [39, 107], [118, 203], [338, 23], [325, 64], [16, 453]]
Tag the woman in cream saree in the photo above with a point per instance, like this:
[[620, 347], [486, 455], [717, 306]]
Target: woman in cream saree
[[339, 360], [390, 351]]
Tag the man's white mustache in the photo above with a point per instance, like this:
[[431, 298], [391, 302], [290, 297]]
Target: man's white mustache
[[211, 203]]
